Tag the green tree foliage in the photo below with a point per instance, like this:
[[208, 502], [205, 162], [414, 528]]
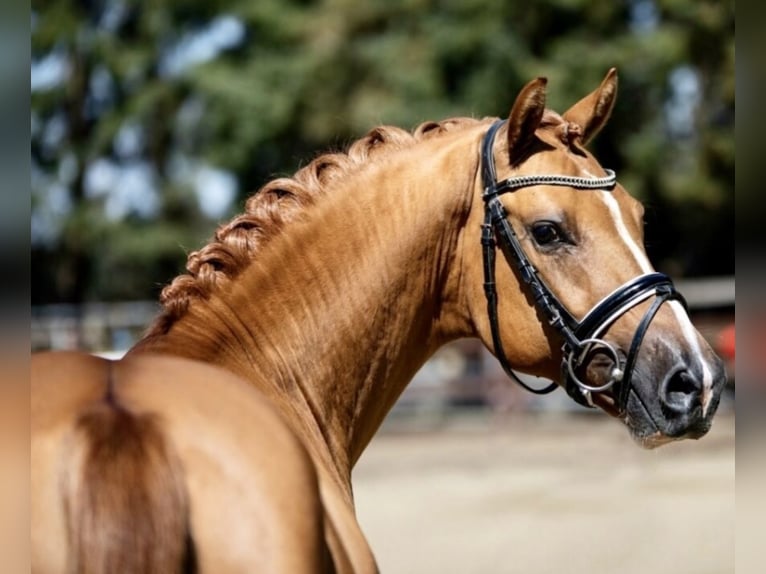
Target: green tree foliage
[[287, 79]]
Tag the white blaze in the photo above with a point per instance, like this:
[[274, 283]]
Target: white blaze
[[688, 330], [622, 229]]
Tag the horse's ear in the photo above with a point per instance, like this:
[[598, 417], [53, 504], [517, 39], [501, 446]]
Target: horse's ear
[[525, 117], [592, 112]]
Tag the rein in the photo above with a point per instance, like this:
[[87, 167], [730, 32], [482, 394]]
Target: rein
[[579, 337]]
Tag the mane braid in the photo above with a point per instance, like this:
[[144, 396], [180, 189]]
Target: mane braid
[[236, 243]]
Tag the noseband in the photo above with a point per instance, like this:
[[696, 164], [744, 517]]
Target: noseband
[[581, 337]]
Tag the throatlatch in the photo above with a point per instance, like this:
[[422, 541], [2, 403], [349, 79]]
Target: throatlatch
[[581, 337]]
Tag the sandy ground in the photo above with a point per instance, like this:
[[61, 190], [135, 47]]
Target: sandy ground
[[546, 493]]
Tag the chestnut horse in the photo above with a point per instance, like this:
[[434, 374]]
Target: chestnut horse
[[224, 441]]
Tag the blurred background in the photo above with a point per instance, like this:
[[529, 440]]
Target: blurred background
[[151, 122]]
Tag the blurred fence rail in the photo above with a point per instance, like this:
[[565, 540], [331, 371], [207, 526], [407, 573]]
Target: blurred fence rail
[[93, 327]]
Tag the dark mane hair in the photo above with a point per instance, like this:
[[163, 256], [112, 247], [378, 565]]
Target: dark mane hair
[[280, 201]]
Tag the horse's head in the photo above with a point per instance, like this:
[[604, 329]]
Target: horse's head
[[572, 295]]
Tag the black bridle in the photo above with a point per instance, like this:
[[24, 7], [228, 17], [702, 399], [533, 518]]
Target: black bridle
[[581, 337]]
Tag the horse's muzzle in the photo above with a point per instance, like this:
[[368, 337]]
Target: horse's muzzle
[[687, 406], [681, 405]]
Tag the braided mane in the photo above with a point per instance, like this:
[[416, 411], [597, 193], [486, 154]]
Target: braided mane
[[236, 243]]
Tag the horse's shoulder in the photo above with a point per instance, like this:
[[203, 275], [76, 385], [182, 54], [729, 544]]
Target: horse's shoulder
[[194, 401], [192, 392], [172, 387], [242, 464]]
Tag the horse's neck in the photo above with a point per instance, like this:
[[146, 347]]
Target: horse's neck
[[339, 313]]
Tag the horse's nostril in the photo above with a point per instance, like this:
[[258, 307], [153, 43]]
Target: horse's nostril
[[681, 391], [683, 383]]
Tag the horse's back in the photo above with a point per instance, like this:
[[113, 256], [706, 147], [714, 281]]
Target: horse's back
[[179, 461]]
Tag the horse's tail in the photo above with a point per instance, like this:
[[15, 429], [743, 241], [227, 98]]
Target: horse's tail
[[125, 499]]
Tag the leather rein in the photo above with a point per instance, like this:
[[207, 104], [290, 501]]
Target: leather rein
[[580, 338]]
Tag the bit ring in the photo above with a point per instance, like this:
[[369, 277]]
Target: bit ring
[[615, 376]]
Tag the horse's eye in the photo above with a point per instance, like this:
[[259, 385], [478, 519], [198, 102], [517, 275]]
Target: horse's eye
[[547, 233]]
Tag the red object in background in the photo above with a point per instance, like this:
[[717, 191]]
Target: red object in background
[[726, 343]]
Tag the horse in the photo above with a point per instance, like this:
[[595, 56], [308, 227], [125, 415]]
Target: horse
[[225, 439]]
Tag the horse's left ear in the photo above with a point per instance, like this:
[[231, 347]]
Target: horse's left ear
[[592, 112], [526, 115]]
